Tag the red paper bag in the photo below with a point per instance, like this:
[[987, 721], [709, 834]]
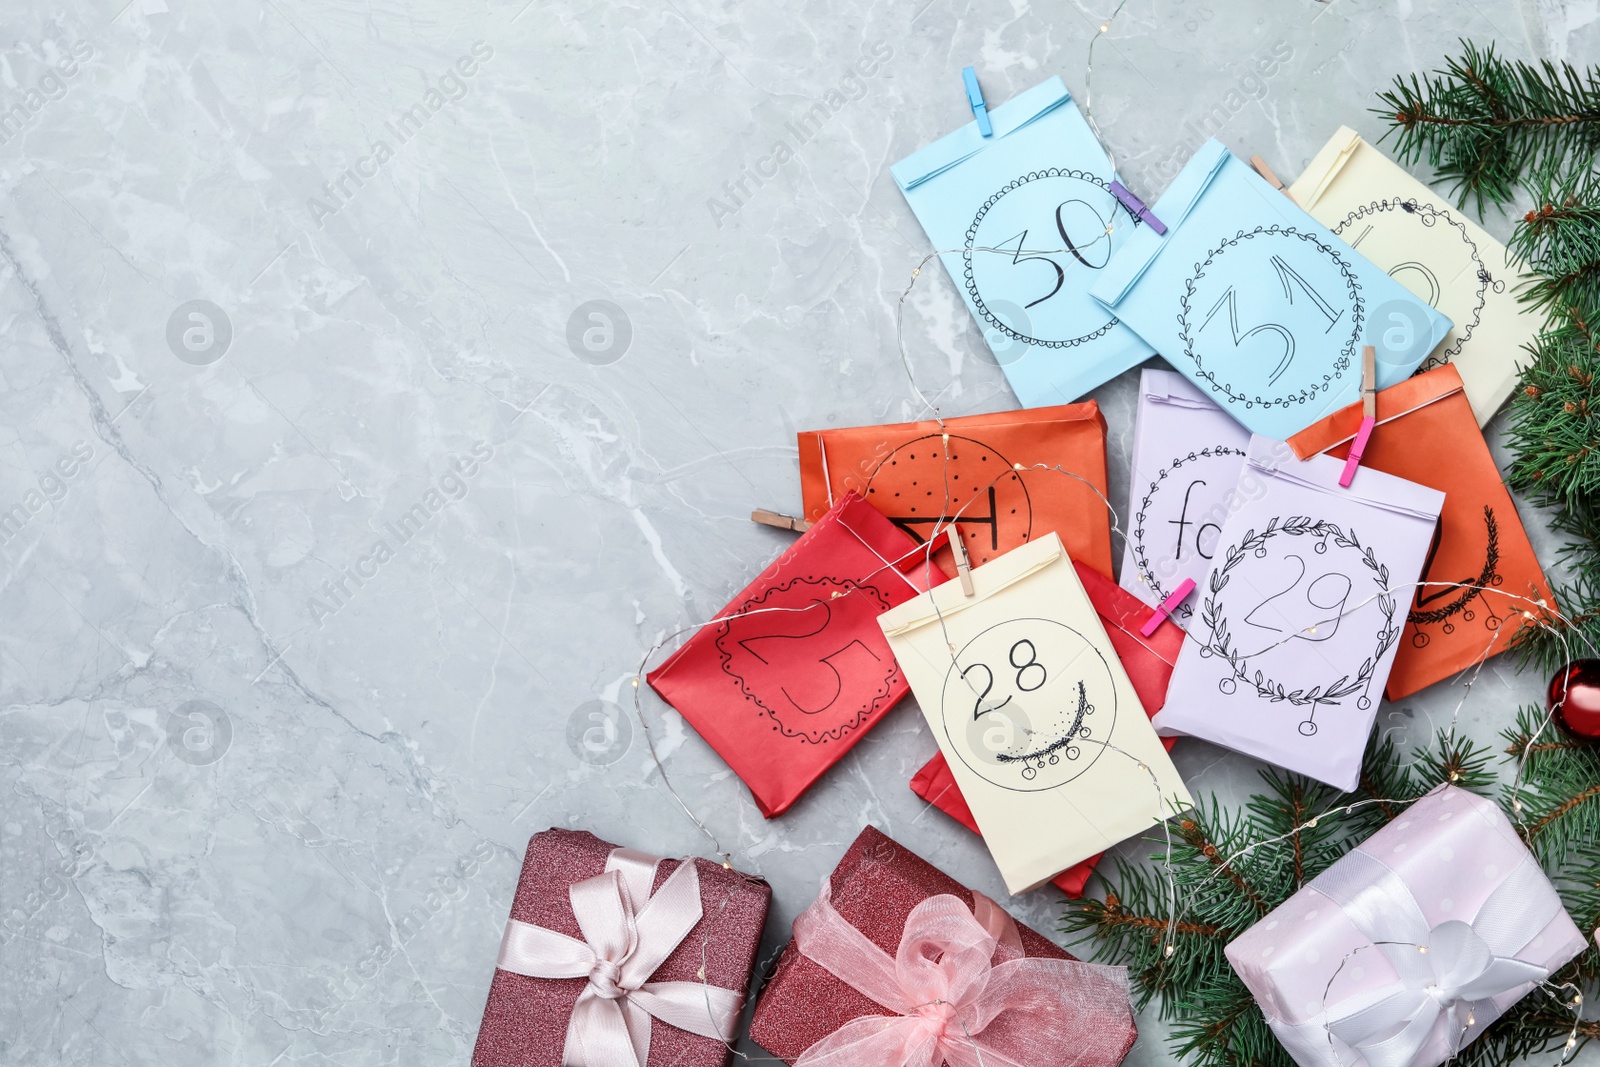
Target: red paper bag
[[906, 472], [1148, 661], [1427, 433], [876, 887], [797, 671]]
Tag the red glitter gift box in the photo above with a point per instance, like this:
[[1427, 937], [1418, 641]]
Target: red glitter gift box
[[876, 888], [1148, 661], [525, 1022]]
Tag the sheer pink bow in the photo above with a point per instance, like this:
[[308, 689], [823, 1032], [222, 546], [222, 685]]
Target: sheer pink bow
[[961, 992], [623, 944]]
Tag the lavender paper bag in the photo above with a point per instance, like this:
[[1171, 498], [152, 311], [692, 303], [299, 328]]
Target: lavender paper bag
[[1297, 622], [1338, 968], [1187, 453]]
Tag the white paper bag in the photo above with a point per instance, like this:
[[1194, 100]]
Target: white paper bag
[[1034, 712]]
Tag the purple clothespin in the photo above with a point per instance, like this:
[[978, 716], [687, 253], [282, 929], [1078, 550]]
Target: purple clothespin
[[1137, 207]]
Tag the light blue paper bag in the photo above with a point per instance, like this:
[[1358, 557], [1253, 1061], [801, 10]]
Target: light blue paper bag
[[1259, 304], [1036, 190]]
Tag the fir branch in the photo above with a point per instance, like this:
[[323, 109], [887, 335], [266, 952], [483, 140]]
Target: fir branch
[[1486, 124]]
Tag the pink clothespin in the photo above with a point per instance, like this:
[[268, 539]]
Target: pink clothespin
[[1160, 613], [963, 564], [1369, 414]]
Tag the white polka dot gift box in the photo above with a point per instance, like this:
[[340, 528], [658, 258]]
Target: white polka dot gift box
[[1407, 948]]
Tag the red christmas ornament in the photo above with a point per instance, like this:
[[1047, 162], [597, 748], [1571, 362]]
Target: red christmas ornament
[[1574, 698]]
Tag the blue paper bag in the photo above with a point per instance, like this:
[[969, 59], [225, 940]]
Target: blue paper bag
[[1037, 192], [1260, 305]]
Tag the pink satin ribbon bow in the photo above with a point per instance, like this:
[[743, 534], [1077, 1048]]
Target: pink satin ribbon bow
[[623, 944], [962, 993]]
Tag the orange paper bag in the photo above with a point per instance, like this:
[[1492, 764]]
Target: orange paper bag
[[907, 472], [1427, 433]]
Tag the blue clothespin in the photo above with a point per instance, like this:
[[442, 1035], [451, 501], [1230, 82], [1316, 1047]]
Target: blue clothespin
[[975, 98]]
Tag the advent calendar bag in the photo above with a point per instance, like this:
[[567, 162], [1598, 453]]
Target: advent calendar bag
[[1257, 303], [795, 670], [1301, 614], [1034, 713], [1427, 433], [1187, 454], [909, 472], [1148, 661], [1036, 194], [1432, 249]]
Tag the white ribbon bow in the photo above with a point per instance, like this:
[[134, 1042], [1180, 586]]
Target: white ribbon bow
[[1450, 972], [622, 946]]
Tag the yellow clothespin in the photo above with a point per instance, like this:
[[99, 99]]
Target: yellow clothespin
[[782, 522], [963, 564], [1369, 413], [1265, 171]]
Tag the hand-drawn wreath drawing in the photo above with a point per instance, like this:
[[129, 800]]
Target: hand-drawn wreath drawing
[[1220, 640], [1194, 302], [1140, 556], [1428, 215], [816, 601], [1461, 597], [1088, 254]]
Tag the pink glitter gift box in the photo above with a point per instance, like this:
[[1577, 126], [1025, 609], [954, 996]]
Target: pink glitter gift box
[[875, 897], [599, 916], [1403, 951]]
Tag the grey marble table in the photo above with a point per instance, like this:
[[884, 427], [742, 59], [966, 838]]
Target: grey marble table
[[282, 279]]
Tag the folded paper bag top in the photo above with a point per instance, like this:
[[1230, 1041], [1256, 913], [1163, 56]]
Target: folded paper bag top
[[1408, 947], [1258, 303], [1032, 214], [1433, 249], [1034, 712], [1481, 558], [612, 958], [1148, 661], [794, 671], [999, 475], [898, 965]]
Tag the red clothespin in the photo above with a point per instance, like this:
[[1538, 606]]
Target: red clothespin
[[963, 564], [782, 522], [1265, 171], [1369, 414], [1162, 611]]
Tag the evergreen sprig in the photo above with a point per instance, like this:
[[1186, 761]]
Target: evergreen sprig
[[1559, 241], [1488, 125], [1233, 866]]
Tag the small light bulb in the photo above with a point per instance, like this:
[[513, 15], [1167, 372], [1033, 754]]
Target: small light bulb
[[917, 273], [1577, 998], [1312, 825], [1171, 949], [1471, 1019], [1105, 27], [1422, 949], [1516, 805], [1016, 466], [636, 681], [1454, 777]]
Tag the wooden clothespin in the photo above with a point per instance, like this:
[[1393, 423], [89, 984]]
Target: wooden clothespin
[[1369, 414], [963, 564], [975, 97], [1162, 611], [782, 522], [1137, 207], [1265, 171]]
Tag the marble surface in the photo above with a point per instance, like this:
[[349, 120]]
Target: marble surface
[[258, 811]]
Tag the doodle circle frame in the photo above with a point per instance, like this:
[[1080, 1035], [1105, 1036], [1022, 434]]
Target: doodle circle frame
[[1100, 749], [1141, 561], [1340, 365], [811, 737], [972, 236], [1428, 214], [1489, 576], [1333, 693]]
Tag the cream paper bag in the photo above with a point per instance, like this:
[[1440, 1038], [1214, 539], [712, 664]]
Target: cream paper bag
[[1034, 712], [1432, 249]]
